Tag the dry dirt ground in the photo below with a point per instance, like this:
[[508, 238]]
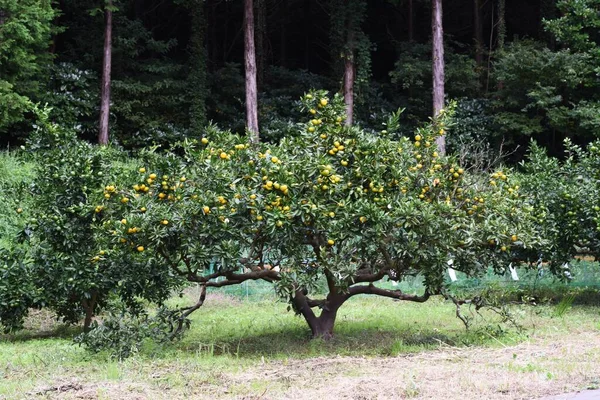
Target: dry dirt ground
[[531, 370]]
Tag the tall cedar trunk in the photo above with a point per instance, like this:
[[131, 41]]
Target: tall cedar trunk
[[349, 71], [438, 65], [250, 58], [501, 24], [106, 65], [478, 31], [261, 39], [349, 88], [411, 21]]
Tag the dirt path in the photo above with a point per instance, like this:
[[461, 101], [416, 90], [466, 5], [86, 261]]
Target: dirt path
[[583, 395], [527, 371]]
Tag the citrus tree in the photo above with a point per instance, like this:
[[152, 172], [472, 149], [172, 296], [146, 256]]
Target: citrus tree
[[329, 204], [56, 265], [566, 200]]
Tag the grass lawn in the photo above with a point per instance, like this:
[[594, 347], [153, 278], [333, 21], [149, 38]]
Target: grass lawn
[[256, 349]]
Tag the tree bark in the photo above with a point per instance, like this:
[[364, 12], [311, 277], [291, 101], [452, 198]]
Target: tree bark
[[349, 73], [501, 24], [349, 89], [106, 67], [88, 307], [261, 39], [438, 66], [321, 326], [250, 58]]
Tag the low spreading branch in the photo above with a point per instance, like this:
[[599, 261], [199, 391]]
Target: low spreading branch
[[394, 294], [232, 278], [187, 311]]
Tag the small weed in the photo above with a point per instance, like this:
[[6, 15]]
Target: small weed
[[564, 305]]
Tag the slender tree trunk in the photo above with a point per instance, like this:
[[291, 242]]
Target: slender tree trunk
[[261, 39], [349, 69], [250, 58], [501, 24], [478, 31], [411, 21], [88, 307], [106, 66], [438, 66]]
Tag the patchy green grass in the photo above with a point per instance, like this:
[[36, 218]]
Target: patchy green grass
[[231, 338]]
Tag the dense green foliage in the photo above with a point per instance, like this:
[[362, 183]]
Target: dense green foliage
[[177, 65], [25, 27]]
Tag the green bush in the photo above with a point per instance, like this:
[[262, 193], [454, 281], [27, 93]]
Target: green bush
[[565, 198]]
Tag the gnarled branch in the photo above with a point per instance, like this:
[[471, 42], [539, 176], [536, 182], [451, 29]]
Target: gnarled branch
[[394, 294], [232, 278]]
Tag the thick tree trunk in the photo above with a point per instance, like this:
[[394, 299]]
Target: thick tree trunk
[[438, 66], [478, 32], [250, 58], [106, 66], [321, 326]]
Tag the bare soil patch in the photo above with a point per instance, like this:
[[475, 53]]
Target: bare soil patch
[[530, 370]]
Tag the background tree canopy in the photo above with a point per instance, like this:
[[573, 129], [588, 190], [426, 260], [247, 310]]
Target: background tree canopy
[[520, 69]]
